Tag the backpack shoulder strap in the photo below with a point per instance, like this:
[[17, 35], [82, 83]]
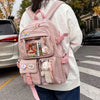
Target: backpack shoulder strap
[[53, 9]]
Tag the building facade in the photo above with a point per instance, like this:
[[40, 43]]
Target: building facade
[[91, 22]]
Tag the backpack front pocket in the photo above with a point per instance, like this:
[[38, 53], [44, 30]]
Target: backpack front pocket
[[51, 70], [31, 67]]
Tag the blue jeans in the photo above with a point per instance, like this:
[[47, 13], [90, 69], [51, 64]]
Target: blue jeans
[[46, 94]]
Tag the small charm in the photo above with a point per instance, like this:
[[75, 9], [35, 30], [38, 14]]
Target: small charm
[[23, 66], [45, 50], [31, 66]]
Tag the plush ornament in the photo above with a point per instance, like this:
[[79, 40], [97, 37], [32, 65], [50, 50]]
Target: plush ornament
[[46, 71]]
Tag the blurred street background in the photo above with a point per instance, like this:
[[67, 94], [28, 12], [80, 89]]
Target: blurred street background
[[12, 86]]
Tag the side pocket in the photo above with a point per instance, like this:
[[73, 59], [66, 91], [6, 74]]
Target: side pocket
[[66, 69], [22, 49], [50, 45], [58, 71], [30, 66]]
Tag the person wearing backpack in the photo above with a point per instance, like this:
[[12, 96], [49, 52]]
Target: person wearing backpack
[[65, 21]]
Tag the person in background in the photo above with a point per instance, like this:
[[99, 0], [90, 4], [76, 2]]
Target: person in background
[[65, 20]]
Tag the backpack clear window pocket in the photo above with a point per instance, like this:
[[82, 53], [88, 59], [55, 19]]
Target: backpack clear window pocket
[[33, 48], [39, 47]]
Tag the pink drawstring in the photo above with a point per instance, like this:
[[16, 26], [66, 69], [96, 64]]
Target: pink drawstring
[[38, 11]]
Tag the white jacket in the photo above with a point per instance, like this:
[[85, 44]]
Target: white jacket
[[66, 22]]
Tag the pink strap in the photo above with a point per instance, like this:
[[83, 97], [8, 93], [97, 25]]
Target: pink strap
[[34, 92], [30, 83], [38, 11], [53, 9], [59, 39]]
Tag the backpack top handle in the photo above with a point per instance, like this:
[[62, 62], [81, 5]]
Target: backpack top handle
[[49, 14], [39, 11]]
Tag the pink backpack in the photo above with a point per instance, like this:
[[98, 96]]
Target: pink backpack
[[42, 59]]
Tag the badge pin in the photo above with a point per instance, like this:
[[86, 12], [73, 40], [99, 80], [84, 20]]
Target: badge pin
[[23, 66], [31, 66], [25, 34]]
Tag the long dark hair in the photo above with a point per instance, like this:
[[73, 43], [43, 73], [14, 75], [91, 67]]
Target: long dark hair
[[36, 4]]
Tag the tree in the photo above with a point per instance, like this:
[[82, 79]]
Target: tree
[[97, 10], [23, 6], [1, 14], [82, 7], [6, 8]]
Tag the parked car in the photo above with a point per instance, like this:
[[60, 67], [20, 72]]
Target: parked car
[[8, 44], [92, 38]]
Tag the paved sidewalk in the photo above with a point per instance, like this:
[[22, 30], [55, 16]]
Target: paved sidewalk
[[88, 59]]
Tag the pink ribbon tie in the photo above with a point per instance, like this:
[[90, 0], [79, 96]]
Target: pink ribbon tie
[[61, 38]]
